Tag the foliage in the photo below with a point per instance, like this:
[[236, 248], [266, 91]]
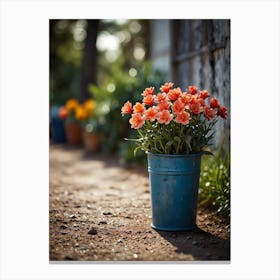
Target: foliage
[[110, 96], [127, 155], [173, 122], [65, 61], [215, 183]]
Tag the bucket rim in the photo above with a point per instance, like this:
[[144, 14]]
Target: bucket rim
[[174, 155]]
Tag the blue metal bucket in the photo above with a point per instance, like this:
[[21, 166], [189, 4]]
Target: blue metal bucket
[[174, 183]]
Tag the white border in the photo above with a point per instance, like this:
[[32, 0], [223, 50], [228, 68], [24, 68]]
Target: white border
[[24, 138]]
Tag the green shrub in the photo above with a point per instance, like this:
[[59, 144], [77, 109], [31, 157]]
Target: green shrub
[[215, 183], [115, 127]]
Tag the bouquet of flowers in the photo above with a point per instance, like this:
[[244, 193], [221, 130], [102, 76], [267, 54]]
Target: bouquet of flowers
[[172, 121]]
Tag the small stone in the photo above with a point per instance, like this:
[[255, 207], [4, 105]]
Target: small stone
[[63, 226], [89, 206], [139, 231], [84, 247], [76, 225], [107, 213], [148, 231], [78, 206], [119, 241], [102, 223], [72, 216], [194, 242], [92, 231], [189, 237], [77, 245], [135, 256]]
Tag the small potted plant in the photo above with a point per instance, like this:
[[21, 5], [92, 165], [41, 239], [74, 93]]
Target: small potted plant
[[174, 128], [73, 113], [91, 125]]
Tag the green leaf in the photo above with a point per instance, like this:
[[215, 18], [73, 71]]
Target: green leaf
[[178, 139], [207, 153], [188, 141], [135, 150], [133, 140], [169, 143]]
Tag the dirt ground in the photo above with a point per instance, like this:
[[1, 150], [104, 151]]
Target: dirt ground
[[100, 211]]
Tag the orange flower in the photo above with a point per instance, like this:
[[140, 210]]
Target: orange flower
[[148, 91], [138, 108], [166, 87], [149, 99], [214, 103], [161, 97], [71, 104], [127, 108], [136, 121], [192, 89], [174, 94], [178, 106], [202, 102], [151, 114], [80, 113], [164, 105], [195, 107], [186, 98], [62, 113], [89, 106], [183, 118], [209, 113], [222, 111], [164, 117], [204, 94]]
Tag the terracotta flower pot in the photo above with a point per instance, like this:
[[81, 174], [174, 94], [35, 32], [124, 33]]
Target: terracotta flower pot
[[73, 134], [91, 141]]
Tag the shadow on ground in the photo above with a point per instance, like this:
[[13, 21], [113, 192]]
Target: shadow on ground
[[198, 243]]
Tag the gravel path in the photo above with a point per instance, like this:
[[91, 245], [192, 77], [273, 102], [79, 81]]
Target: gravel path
[[100, 211]]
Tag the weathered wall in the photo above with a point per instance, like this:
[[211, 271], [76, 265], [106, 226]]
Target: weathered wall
[[200, 55], [161, 46]]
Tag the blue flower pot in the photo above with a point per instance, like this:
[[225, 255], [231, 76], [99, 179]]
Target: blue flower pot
[[174, 183], [57, 126]]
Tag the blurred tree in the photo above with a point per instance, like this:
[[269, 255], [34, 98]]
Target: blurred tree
[[65, 60], [133, 37], [89, 65], [73, 59]]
